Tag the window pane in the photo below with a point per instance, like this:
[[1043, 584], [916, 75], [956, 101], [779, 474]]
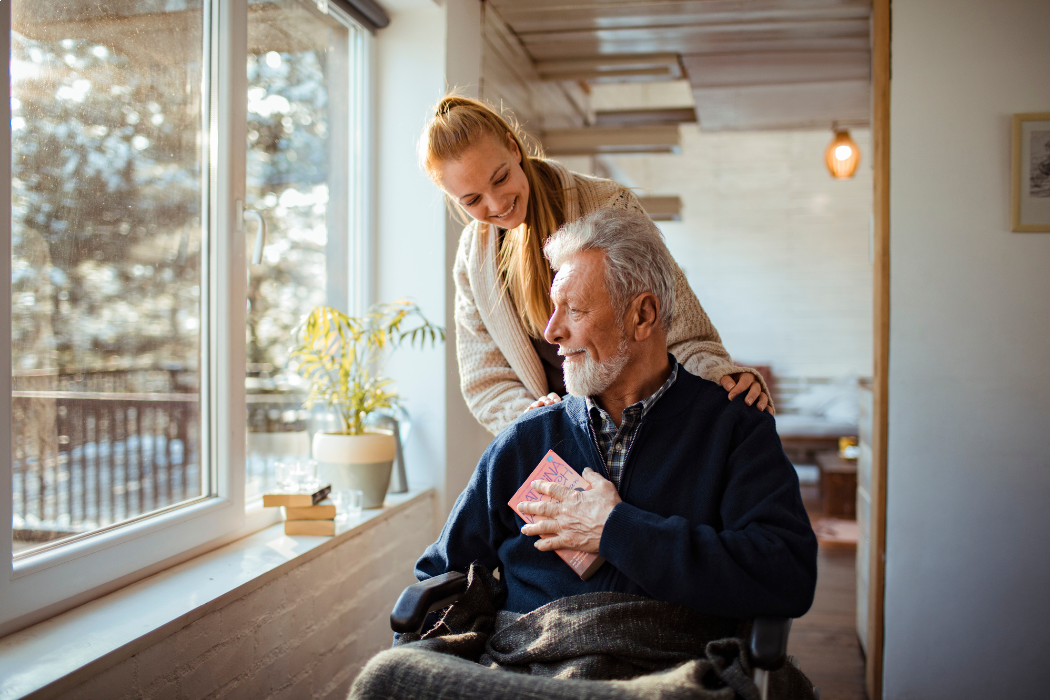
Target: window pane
[[106, 126], [298, 96]]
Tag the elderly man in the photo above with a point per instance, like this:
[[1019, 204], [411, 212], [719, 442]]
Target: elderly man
[[693, 506], [692, 501]]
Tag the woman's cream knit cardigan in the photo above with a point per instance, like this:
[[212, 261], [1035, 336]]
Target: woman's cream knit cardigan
[[500, 373]]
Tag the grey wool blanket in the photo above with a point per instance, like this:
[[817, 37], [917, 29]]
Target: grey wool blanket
[[598, 646]]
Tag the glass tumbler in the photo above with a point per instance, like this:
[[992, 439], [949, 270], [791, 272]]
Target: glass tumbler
[[348, 503]]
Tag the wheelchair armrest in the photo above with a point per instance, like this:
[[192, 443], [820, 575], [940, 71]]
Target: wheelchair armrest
[[420, 599], [768, 645]]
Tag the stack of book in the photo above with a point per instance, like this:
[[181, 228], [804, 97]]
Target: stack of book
[[305, 513]]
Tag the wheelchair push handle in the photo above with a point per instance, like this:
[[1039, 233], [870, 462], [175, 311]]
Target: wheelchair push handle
[[767, 649], [768, 644]]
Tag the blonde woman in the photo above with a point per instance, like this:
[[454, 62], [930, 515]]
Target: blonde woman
[[516, 201]]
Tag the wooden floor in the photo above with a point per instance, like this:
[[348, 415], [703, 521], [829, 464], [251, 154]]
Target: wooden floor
[[825, 640]]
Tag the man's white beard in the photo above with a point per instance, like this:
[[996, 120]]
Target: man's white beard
[[591, 378]]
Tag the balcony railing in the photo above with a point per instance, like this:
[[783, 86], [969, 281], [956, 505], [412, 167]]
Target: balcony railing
[[96, 448], [99, 448]]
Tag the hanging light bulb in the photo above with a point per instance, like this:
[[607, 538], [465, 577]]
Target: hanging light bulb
[[842, 155]]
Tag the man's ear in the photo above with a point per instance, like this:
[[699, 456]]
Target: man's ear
[[644, 314]]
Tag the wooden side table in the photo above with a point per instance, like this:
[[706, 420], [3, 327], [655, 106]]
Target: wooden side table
[[839, 485]]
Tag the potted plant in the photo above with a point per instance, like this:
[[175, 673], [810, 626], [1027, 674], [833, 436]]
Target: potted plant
[[341, 358]]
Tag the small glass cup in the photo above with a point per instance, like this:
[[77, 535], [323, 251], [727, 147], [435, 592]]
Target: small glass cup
[[304, 475], [284, 477], [348, 503]]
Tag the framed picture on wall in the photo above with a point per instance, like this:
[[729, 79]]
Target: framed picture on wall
[[1030, 166]]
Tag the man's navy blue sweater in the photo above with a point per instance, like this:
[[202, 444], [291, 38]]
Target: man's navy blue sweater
[[711, 516]]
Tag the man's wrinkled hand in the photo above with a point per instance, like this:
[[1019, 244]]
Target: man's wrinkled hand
[[575, 518]]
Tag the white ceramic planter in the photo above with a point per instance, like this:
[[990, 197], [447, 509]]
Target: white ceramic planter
[[360, 462]]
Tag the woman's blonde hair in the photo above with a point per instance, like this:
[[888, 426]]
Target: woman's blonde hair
[[457, 124]]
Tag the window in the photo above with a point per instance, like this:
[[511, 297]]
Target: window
[[300, 163], [107, 174], [134, 155]]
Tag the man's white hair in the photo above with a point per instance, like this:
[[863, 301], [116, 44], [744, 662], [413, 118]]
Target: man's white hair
[[637, 260]]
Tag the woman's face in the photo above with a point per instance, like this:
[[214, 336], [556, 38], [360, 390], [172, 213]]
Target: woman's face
[[488, 182]]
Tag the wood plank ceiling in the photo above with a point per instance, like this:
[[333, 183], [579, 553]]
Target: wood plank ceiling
[[752, 64]]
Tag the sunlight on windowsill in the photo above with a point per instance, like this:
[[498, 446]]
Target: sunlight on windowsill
[[61, 652]]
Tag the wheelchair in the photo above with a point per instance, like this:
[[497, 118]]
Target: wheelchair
[[767, 644]]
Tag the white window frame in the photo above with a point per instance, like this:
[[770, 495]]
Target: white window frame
[[43, 584]]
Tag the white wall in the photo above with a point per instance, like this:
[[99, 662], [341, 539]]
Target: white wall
[[967, 505], [775, 249], [410, 60], [426, 48], [465, 438]]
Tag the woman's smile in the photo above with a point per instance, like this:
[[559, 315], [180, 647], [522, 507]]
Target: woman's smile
[[508, 212]]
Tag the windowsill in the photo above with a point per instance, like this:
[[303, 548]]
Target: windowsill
[[66, 650]]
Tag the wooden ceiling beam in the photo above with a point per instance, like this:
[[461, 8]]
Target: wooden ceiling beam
[[752, 64], [694, 39], [527, 20], [510, 7], [663, 208], [660, 66], [813, 29], [646, 117], [632, 60], [595, 140], [615, 76], [775, 68], [556, 50]]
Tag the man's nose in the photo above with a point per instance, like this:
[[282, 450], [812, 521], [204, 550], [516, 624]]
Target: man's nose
[[553, 332]]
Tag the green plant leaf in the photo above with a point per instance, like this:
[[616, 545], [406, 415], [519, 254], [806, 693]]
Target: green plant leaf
[[340, 356]]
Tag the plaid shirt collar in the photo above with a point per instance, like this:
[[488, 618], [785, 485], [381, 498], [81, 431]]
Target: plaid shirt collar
[[615, 443]]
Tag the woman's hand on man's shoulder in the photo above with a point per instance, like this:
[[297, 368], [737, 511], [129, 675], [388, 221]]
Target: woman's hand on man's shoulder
[[548, 400], [737, 384]]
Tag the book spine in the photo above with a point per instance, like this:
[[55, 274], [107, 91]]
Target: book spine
[[322, 528], [320, 512]]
